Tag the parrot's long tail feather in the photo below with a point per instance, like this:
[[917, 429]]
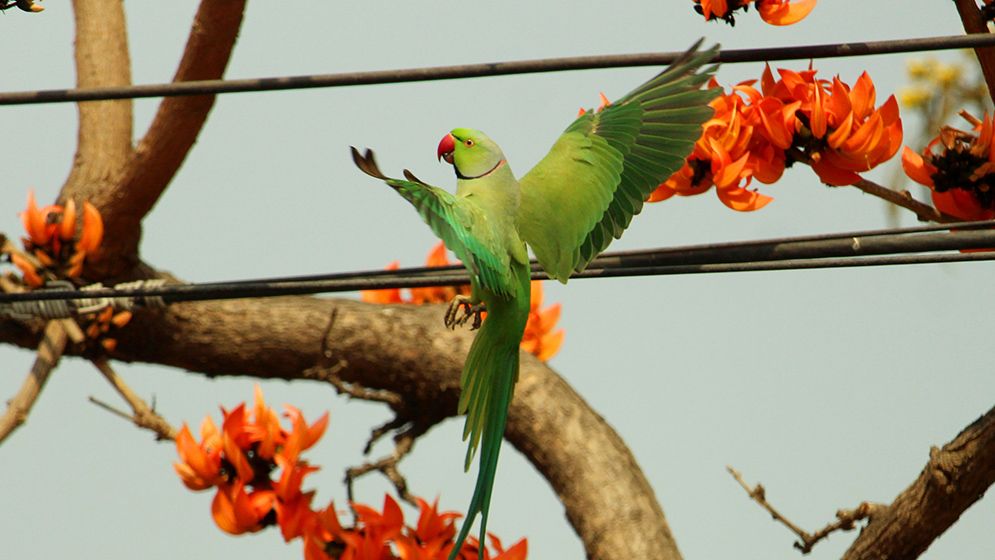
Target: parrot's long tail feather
[[488, 383]]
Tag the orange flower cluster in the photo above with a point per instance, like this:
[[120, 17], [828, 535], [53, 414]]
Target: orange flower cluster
[[755, 134], [540, 337], [99, 326], [52, 240], [432, 294], [962, 176], [774, 12], [240, 460], [370, 539]]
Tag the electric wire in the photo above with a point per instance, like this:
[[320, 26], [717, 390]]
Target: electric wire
[[918, 245], [212, 87]]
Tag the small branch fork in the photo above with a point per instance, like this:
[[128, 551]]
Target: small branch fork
[[846, 519], [404, 442], [143, 415]]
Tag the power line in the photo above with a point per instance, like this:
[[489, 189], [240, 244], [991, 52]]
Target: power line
[[919, 245], [210, 87]]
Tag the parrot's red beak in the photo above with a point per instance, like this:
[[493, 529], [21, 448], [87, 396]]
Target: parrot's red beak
[[446, 147]]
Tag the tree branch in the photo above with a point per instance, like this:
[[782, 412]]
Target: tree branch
[[50, 350], [970, 16], [406, 350], [104, 141], [177, 123], [846, 519], [143, 415], [902, 199], [954, 478]]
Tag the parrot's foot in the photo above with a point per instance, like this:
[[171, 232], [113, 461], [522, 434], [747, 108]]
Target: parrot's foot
[[461, 309]]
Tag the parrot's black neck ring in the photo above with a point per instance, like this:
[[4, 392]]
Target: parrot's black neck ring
[[484, 174]]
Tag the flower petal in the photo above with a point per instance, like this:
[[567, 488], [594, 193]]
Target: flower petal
[[783, 12]]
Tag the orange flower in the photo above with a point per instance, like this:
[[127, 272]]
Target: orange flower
[[368, 541], [784, 12], [837, 127], [51, 231], [728, 155], [371, 537], [433, 294], [755, 132], [962, 177], [293, 507], [237, 512], [432, 537], [240, 459], [200, 465], [775, 12], [437, 294], [518, 551], [389, 295], [604, 102], [539, 338], [98, 326], [248, 499], [302, 436]]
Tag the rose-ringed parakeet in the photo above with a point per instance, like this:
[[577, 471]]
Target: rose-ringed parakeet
[[568, 208]]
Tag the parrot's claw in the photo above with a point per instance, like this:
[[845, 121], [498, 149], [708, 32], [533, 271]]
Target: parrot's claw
[[461, 309]]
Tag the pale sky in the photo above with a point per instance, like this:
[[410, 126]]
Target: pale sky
[[827, 386]]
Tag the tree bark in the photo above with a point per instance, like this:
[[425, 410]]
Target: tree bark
[[104, 140], [121, 182], [955, 477]]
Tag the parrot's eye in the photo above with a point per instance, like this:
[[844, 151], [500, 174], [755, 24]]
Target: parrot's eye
[[468, 143]]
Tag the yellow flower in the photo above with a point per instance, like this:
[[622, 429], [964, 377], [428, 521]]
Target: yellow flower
[[920, 69], [914, 97], [947, 75]]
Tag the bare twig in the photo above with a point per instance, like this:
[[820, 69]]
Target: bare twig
[[845, 519], [328, 369], [382, 430], [353, 390], [404, 442], [142, 415], [903, 199], [50, 350]]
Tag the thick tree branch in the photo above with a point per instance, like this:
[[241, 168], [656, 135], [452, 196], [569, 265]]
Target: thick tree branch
[[405, 349], [970, 15], [104, 142], [954, 478], [141, 179]]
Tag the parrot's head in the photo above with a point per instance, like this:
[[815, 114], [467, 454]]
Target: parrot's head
[[471, 153]]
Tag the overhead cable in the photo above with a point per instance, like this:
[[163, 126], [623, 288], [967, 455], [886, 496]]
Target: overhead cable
[[918, 245], [768, 54]]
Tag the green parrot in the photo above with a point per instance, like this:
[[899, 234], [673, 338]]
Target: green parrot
[[568, 209]]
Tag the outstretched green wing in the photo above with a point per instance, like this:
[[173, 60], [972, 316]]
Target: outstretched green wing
[[459, 223], [585, 191]]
